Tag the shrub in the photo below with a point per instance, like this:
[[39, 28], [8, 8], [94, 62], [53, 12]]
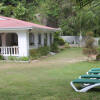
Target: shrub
[[36, 53], [67, 45], [89, 51], [99, 42], [23, 59], [98, 57], [1, 57], [61, 41], [43, 50], [12, 58], [18, 58], [58, 39], [98, 50], [89, 48], [54, 47]]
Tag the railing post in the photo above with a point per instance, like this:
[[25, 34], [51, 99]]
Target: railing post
[[9, 51]]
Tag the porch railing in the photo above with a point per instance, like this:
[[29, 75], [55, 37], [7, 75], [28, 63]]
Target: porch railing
[[9, 51]]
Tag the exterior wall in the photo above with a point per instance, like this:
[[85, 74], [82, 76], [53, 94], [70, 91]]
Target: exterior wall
[[36, 45], [23, 43]]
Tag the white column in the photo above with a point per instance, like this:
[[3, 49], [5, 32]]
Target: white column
[[23, 43], [42, 39], [36, 40], [52, 38], [3, 37], [48, 39]]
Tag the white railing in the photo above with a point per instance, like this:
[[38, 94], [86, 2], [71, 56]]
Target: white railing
[[9, 51]]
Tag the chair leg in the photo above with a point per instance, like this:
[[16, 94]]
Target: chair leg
[[85, 89]]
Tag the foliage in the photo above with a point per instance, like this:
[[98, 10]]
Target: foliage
[[23, 59], [89, 48], [98, 54], [58, 40], [1, 57], [98, 57], [20, 11], [61, 41], [54, 47], [56, 13], [99, 42], [13, 58], [43, 50], [67, 45], [36, 53]]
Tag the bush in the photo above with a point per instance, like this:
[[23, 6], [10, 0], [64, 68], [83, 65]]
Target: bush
[[23, 59], [12, 58], [67, 45], [18, 58], [98, 50], [36, 53], [43, 51], [99, 42], [58, 39], [61, 41], [89, 51], [1, 57], [54, 47], [98, 57], [89, 48]]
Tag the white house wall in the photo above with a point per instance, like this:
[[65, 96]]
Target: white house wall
[[36, 45], [23, 43]]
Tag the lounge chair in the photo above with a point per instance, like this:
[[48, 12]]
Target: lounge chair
[[93, 72], [88, 83], [91, 76], [95, 69]]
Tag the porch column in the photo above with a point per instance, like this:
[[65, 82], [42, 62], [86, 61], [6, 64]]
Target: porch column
[[48, 39], [36, 40], [52, 37], [3, 37], [23, 43], [42, 39]]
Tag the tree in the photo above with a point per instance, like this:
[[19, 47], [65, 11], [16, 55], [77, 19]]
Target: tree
[[83, 3], [89, 48]]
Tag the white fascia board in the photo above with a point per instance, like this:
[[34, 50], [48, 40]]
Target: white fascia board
[[18, 28], [37, 29], [44, 30]]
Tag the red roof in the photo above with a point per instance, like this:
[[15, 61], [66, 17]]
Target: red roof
[[6, 22]]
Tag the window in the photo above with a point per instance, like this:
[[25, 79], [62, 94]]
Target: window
[[31, 39], [39, 38]]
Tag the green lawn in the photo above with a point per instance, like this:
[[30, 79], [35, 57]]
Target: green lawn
[[47, 79]]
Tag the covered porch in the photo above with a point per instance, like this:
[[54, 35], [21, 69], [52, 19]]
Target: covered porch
[[9, 44], [19, 43]]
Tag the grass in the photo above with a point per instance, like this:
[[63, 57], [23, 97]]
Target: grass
[[47, 79]]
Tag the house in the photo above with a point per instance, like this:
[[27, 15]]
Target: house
[[17, 37]]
